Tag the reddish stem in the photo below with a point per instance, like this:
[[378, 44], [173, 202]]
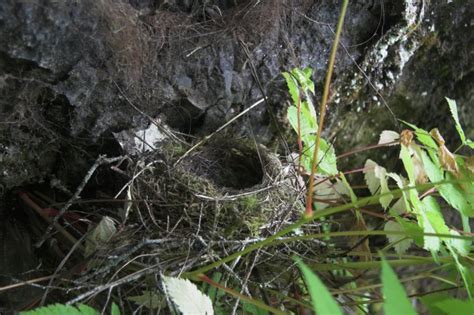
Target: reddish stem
[[370, 147]]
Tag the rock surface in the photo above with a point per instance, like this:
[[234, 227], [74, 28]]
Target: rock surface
[[73, 72]]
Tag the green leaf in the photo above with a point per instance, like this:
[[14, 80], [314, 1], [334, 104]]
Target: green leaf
[[323, 301], [423, 136], [414, 229], [462, 246], [304, 78], [213, 292], [376, 177], [454, 112], [327, 161], [61, 309], [432, 168], [292, 87], [327, 157], [402, 243], [373, 183], [347, 189], [455, 306], [308, 114], [470, 143], [431, 299], [432, 221], [150, 300], [466, 273], [252, 309], [457, 197], [396, 301], [405, 156], [115, 309], [307, 126]]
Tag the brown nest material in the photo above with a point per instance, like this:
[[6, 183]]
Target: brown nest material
[[220, 199]]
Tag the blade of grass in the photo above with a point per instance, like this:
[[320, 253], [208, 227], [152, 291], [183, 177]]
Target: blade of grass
[[323, 301], [395, 297], [376, 264]]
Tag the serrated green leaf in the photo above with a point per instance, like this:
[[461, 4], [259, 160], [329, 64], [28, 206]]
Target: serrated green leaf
[[389, 136], [324, 193], [412, 228], [308, 124], [432, 168], [462, 246], [327, 157], [304, 78], [305, 127], [454, 112], [308, 114], [187, 297], [456, 197], [399, 207], [343, 187], [405, 156], [423, 136], [432, 221], [84, 309], [292, 87], [323, 302], [373, 183], [61, 309], [406, 194], [385, 195], [328, 161], [402, 242], [375, 178], [395, 299], [466, 273]]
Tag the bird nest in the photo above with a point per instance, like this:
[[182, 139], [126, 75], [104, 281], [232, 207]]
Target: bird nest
[[228, 191], [181, 214]]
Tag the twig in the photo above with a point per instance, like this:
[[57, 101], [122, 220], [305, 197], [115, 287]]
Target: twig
[[60, 266], [23, 283], [129, 278], [102, 159], [39, 210]]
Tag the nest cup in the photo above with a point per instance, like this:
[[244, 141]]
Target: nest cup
[[228, 189]]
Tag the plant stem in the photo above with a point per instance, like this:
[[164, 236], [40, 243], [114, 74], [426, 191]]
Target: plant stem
[[322, 109], [273, 240]]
